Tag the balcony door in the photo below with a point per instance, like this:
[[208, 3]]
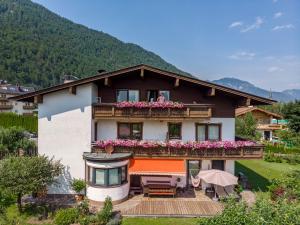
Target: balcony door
[[194, 167]]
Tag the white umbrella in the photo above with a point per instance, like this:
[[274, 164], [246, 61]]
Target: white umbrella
[[218, 177]]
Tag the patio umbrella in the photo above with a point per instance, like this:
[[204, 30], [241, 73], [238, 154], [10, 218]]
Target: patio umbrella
[[217, 177]]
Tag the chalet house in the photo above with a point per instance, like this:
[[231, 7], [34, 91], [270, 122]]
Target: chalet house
[[267, 122], [9, 90], [110, 130]]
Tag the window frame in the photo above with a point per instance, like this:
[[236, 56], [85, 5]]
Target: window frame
[[180, 135], [206, 130], [127, 94], [131, 130], [91, 178]]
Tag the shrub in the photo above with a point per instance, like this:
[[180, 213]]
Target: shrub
[[105, 214], [78, 185], [66, 216], [83, 207]]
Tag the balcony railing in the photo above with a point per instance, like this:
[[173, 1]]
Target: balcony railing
[[110, 110], [29, 107], [6, 106], [247, 152]]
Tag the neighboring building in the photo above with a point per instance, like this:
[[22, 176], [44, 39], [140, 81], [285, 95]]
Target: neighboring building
[[72, 116], [6, 105], [267, 122]]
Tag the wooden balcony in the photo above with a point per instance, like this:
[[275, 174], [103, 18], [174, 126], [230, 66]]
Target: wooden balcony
[[251, 152], [6, 106], [189, 111]]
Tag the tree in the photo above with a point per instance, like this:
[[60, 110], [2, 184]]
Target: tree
[[246, 127], [291, 112], [24, 175], [14, 138]]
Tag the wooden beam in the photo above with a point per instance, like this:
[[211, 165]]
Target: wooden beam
[[211, 92], [72, 90], [142, 73], [176, 82], [107, 82], [38, 99]]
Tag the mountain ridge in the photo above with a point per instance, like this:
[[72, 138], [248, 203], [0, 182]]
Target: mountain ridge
[[283, 96], [37, 47]]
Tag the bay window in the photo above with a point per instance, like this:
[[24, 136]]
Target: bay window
[[107, 177]]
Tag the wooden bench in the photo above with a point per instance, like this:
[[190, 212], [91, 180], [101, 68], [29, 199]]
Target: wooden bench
[[159, 188]]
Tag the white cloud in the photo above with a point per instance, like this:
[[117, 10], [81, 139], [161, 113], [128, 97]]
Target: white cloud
[[258, 22], [274, 1], [277, 15], [283, 27], [273, 69], [243, 55], [236, 24]]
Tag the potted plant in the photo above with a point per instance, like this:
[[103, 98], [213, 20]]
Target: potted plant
[[78, 185]]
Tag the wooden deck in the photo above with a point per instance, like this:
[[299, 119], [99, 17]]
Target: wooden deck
[[197, 206]]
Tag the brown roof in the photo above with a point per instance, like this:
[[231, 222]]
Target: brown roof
[[243, 110], [29, 96]]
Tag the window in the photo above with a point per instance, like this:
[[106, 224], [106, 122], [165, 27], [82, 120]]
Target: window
[[218, 164], [107, 177], [208, 132], [166, 94], [130, 131], [128, 95], [213, 132], [152, 95], [174, 131]]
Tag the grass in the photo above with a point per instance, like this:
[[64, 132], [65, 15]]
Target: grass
[[260, 172], [160, 221]]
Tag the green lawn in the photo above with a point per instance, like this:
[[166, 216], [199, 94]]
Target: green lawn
[[160, 221], [260, 172]]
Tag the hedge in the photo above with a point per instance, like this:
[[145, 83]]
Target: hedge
[[29, 123]]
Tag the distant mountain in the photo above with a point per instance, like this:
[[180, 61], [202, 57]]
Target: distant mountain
[[284, 96], [38, 46]]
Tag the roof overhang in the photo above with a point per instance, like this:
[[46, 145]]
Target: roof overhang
[[103, 76]]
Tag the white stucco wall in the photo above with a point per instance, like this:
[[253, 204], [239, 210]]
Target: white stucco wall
[[156, 130], [65, 128], [100, 193]]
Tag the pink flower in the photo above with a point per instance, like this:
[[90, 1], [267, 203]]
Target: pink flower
[[227, 145], [141, 105]]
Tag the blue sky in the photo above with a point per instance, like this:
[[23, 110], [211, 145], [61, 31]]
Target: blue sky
[[254, 40]]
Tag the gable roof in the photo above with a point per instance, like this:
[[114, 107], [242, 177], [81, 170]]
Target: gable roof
[[244, 110], [26, 97]]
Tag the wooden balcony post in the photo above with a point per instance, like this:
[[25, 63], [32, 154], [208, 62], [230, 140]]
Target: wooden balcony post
[[242, 152], [113, 111]]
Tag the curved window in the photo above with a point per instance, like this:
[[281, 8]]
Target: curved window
[[107, 177]]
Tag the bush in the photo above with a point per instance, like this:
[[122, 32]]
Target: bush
[[78, 185], [83, 207], [105, 214], [66, 216], [270, 157]]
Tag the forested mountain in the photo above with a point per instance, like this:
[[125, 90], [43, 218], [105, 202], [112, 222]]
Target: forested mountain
[[284, 96], [37, 47]]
